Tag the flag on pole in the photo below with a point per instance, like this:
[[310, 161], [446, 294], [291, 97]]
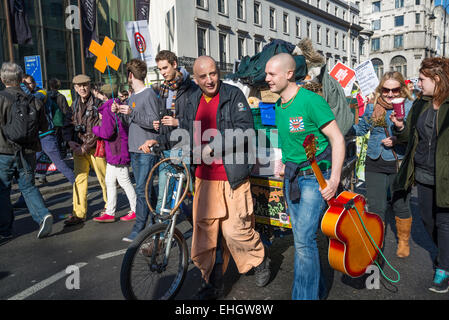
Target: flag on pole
[[88, 22], [20, 28]]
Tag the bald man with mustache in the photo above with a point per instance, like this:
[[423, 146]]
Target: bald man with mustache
[[223, 219], [300, 112]]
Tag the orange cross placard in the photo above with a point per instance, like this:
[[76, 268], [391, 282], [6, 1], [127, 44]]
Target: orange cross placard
[[104, 55]]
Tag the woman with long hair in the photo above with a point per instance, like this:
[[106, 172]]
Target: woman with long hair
[[426, 161], [384, 155]]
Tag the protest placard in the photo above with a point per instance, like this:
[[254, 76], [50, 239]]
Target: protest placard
[[344, 75], [140, 42], [366, 77]]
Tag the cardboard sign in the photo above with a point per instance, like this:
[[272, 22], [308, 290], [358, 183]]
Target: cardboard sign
[[366, 77], [68, 95], [343, 74], [140, 42], [104, 55]]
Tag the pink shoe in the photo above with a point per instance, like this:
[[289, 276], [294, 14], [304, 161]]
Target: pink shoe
[[131, 216], [104, 218]]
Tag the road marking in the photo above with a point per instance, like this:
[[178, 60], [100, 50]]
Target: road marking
[[112, 254], [43, 284]]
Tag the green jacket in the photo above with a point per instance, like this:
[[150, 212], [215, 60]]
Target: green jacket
[[409, 135]]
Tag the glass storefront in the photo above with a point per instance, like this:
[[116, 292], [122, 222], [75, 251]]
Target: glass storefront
[[62, 59]]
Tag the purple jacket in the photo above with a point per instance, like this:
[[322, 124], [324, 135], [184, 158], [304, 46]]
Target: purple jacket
[[116, 143]]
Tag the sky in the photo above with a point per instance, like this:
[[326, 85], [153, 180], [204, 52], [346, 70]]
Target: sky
[[442, 2]]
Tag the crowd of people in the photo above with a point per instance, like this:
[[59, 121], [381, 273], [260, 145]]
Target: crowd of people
[[109, 131]]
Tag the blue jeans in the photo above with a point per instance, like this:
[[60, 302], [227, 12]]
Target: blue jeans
[[50, 147], [10, 167], [142, 164], [305, 215], [163, 170]]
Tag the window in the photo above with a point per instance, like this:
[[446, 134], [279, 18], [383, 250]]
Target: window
[[399, 64], [417, 18], [257, 18], [223, 47], [336, 40], [309, 30], [298, 27], [257, 46], [398, 41], [353, 44], [318, 3], [202, 48], [376, 6], [344, 15], [202, 4], [222, 6], [375, 44], [375, 24], [343, 42], [398, 3], [398, 21], [318, 34], [328, 37], [241, 50], [272, 18], [241, 9], [336, 11], [417, 2], [285, 22]]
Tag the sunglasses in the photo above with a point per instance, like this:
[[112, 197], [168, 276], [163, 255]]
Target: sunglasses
[[394, 90]]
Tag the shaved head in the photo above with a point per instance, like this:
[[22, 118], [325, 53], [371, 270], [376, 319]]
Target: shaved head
[[207, 75], [285, 61]]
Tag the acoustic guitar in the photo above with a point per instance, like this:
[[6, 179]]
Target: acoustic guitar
[[354, 234]]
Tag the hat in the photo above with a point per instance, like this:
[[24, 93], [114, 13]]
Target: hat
[[107, 89], [81, 78], [407, 81]]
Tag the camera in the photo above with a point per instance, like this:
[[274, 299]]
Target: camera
[[165, 112], [81, 128]]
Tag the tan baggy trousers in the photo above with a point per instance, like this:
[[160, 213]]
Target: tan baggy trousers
[[216, 206]]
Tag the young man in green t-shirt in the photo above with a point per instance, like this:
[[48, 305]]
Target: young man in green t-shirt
[[300, 112]]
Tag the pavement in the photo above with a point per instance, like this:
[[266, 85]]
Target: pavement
[[56, 183]]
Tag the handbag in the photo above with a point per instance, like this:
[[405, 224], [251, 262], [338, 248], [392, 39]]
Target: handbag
[[100, 152]]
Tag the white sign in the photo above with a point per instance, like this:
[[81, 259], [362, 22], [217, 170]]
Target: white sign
[[140, 42], [366, 77]]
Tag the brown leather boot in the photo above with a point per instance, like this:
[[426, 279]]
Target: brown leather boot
[[403, 227]]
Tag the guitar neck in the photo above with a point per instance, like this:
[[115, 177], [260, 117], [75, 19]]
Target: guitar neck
[[318, 174]]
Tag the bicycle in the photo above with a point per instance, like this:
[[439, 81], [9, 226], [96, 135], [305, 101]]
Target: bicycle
[[155, 264]]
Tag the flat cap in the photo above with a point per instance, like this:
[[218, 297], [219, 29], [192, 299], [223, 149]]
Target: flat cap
[[81, 78]]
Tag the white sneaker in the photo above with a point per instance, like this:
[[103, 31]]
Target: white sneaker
[[45, 227]]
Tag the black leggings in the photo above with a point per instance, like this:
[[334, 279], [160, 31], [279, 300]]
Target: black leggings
[[377, 186], [436, 222]]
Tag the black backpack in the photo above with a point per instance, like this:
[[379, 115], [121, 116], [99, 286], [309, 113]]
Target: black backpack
[[22, 125]]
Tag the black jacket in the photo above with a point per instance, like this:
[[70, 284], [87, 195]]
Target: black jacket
[[233, 113], [5, 106], [181, 103]]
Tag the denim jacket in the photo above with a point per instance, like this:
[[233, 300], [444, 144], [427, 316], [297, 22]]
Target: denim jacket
[[375, 146]]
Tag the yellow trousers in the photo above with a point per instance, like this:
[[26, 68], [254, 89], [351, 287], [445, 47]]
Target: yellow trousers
[[82, 165]]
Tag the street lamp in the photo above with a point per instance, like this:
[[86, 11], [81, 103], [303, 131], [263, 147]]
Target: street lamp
[[433, 17]]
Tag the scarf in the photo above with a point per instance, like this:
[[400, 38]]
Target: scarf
[[380, 110], [172, 85]]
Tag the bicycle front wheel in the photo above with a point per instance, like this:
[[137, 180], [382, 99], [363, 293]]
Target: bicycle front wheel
[[147, 273]]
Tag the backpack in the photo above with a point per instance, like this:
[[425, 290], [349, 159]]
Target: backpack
[[22, 124]]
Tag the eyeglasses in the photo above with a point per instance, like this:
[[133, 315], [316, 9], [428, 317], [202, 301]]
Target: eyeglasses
[[393, 90]]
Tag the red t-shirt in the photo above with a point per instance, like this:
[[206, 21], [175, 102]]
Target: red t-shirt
[[207, 115]]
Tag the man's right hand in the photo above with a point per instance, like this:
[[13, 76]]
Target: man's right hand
[[147, 145], [114, 107], [73, 145]]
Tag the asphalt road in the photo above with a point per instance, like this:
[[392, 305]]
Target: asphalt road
[[33, 269]]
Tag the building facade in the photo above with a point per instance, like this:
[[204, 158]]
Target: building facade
[[227, 30], [404, 33], [56, 37]]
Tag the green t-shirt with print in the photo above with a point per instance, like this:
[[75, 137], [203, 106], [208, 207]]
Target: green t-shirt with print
[[304, 115]]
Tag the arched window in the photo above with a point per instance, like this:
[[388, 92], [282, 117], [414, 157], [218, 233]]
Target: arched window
[[399, 64], [378, 67]]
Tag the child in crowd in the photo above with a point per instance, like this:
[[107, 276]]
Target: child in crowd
[[114, 131]]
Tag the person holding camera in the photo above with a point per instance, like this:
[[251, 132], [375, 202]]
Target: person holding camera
[[77, 130]]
